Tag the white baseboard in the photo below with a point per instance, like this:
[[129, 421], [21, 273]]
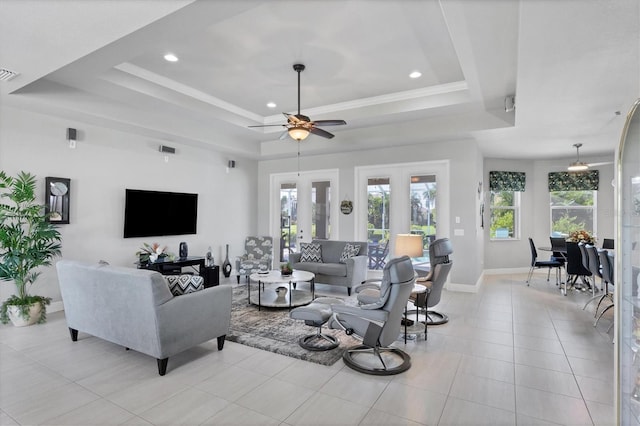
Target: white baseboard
[[504, 271], [55, 306]]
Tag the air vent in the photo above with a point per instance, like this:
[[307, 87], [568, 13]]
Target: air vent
[[167, 149], [6, 75]]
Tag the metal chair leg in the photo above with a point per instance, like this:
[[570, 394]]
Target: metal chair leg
[[602, 313]]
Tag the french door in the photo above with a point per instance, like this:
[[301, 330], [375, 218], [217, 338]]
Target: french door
[[302, 209]]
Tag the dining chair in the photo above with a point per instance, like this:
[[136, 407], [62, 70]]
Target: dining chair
[[607, 278], [594, 268], [378, 255], [535, 263], [574, 266]]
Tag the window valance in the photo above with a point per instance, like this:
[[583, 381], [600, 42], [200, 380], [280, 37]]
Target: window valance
[[582, 181], [507, 181]]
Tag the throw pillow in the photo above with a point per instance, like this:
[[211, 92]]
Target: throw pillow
[[183, 284], [311, 252], [349, 251]]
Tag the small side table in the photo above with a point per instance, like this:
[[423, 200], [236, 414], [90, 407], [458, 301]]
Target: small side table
[[211, 275], [418, 289]]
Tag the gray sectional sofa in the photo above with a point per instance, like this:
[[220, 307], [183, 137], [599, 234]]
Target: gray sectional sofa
[[330, 270], [134, 308]]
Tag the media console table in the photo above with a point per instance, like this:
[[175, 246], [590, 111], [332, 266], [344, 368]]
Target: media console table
[[211, 274]]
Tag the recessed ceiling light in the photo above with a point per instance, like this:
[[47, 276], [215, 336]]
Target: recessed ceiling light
[[271, 104], [171, 57], [415, 74]]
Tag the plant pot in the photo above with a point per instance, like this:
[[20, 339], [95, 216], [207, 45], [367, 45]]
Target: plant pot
[[18, 321]]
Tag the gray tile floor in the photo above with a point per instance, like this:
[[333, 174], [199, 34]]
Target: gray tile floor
[[511, 354]]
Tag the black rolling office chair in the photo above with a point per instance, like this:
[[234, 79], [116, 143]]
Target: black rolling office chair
[[608, 244]]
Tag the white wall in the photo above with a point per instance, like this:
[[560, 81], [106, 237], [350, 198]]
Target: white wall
[[106, 162], [465, 171], [535, 216]]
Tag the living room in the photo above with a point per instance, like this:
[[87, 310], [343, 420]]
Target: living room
[[112, 155]]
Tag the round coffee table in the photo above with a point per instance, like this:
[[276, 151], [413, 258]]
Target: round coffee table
[[270, 291]]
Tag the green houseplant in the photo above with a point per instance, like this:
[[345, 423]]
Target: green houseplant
[[27, 242]]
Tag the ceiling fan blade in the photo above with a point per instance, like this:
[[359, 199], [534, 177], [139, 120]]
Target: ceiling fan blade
[[600, 164], [269, 125], [320, 132], [329, 122]]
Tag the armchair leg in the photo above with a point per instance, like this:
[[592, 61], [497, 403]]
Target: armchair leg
[[74, 334], [238, 277], [162, 366], [221, 342], [348, 291]]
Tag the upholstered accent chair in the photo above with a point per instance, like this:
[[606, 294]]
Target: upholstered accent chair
[[258, 256]]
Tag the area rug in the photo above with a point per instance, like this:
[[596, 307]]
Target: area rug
[[272, 330]]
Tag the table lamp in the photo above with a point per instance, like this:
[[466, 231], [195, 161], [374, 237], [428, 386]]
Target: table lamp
[[409, 245]]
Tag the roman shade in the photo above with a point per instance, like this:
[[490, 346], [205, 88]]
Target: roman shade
[[565, 181], [507, 181]]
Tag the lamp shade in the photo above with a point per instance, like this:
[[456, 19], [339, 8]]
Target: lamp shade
[[409, 245], [298, 133]]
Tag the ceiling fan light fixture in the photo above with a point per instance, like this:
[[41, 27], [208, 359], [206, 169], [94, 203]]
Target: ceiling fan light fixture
[[298, 133], [578, 166]]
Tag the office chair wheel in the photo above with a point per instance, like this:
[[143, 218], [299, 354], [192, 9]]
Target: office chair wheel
[[377, 361]]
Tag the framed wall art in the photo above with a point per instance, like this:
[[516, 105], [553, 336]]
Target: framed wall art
[[57, 198]]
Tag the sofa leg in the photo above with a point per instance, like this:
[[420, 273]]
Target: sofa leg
[[162, 366], [238, 277], [221, 342], [74, 334], [348, 291]]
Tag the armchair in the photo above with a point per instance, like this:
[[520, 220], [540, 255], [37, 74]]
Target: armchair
[[258, 256], [378, 323]]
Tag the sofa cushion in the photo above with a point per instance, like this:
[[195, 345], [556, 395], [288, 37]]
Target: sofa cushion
[[307, 266], [183, 284], [333, 269], [349, 251], [311, 252]]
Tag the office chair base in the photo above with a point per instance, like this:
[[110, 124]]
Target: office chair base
[[318, 342], [363, 359]]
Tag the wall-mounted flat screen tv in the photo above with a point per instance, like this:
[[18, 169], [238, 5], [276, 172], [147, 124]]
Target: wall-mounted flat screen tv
[[156, 213]]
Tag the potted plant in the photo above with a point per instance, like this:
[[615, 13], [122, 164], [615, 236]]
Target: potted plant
[[285, 269], [27, 242]]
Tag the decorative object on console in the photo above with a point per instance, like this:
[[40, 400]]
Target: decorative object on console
[[27, 241], [184, 250], [152, 253], [57, 193], [226, 265], [209, 258], [184, 284]]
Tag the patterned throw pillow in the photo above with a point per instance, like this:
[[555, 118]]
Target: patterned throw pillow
[[349, 251], [183, 284], [311, 252]]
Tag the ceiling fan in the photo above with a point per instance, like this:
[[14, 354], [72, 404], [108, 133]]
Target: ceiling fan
[[579, 166], [299, 126]]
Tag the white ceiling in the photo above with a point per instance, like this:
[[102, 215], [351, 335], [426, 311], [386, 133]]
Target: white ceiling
[[571, 64]]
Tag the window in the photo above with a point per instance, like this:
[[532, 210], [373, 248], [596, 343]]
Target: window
[[505, 215], [572, 211], [423, 207], [378, 193]]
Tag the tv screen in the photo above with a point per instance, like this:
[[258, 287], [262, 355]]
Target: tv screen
[[156, 213]]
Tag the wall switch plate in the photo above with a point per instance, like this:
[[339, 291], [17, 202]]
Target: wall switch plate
[[72, 143], [457, 219]]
